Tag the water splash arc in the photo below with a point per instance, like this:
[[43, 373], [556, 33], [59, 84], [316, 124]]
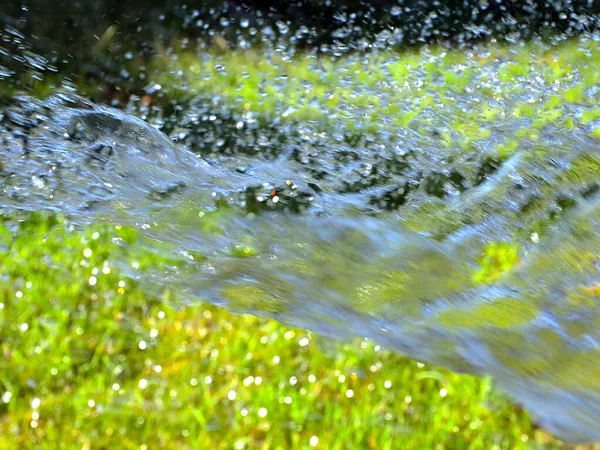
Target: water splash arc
[[336, 269]]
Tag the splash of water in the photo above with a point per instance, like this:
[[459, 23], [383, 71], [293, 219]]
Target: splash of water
[[335, 269]]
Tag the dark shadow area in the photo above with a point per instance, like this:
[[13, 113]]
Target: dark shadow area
[[65, 30]]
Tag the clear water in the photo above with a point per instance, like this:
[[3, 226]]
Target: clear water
[[276, 237]]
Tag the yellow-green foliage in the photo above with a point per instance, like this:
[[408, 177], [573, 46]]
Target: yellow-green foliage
[[497, 259], [502, 313]]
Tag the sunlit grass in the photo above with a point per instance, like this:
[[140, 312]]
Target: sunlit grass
[[90, 360], [483, 87]]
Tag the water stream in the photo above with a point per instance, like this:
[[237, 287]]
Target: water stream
[[343, 266]]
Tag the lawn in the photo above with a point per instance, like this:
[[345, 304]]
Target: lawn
[[91, 361]]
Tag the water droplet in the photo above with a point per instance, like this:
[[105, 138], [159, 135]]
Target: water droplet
[[283, 27]]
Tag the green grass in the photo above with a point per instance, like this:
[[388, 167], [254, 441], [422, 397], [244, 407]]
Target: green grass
[[407, 89], [89, 360]]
